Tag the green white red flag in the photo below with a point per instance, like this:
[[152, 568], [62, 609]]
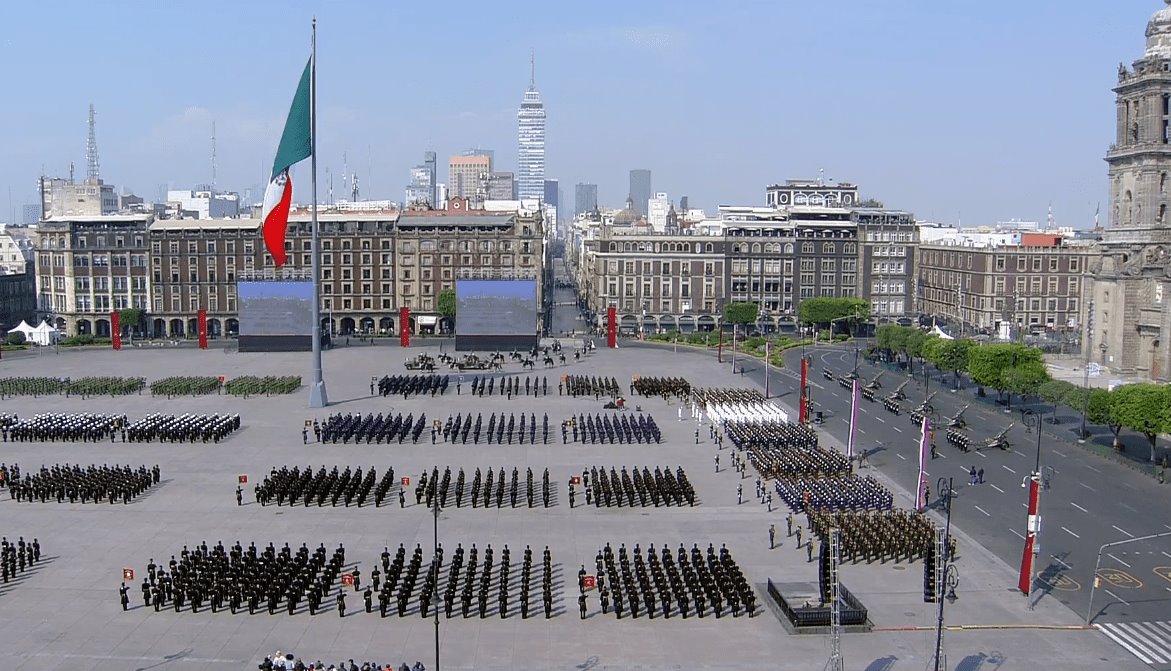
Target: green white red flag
[[296, 145]]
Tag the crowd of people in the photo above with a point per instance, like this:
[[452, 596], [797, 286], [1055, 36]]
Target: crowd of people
[[876, 535], [640, 489], [17, 556], [287, 661], [757, 435], [666, 582], [410, 385], [92, 483], [94, 427], [485, 491], [611, 429]]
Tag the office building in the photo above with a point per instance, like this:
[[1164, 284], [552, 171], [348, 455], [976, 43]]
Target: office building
[[467, 177], [501, 185], [204, 203], [585, 198], [530, 157], [657, 210], [64, 198], [552, 189], [640, 190], [421, 192]]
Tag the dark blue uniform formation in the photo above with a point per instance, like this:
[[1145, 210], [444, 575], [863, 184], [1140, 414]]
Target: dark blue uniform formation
[[57, 426], [93, 483], [412, 385], [588, 385], [236, 578], [371, 428], [500, 430], [17, 556], [661, 386], [187, 428], [598, 428], [641, 489], [510, 386], [485, 491], [850, 492], [959, 439], [657, 584], [877, 535], [285, 486]]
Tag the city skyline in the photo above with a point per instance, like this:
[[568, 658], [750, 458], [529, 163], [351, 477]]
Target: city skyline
[[970, 132]]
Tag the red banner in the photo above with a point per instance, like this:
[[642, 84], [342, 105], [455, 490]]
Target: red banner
[[611, 326], [404, 327], [201, 318], [1025, 583], [115, 330]]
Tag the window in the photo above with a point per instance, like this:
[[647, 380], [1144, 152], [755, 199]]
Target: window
[[211, 246], [806, 247], [1036, 264], [1072, 285], [828, 248], [1021, 264], [1000, 263], [1053, 264]]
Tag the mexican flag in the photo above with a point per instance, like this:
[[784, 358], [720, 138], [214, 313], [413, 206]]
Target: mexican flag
[[296, 145]]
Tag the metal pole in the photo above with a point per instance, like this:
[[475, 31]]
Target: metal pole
[[436, 554], [317, 395], [941, 583], [766, 356], [1089, 335]]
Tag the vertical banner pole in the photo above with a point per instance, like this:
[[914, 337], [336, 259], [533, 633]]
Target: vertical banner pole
[[611, 327], [317, 395], [924, 449], [201, 328], [1026, 577], [850, 444], [766, 356], [404, 326], [115, 330], [804, 382]]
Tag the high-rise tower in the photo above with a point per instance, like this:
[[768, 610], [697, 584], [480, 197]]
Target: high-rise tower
[[530, 159], [1128, 315]]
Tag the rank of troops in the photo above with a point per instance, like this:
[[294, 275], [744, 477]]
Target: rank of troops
[[411, 385], [840, 492], [611, 428], [780, 462], [662, 582], [640, 489], [92, 483], [370, 428], [589, 385], [186, 428], [56, 426], [661, 386], [485, 491], [726, 395], [754, 435], [959, 440], [507, 386], [499, 430], [308, 487], [17, 556], [892, 405], [84, 386], [876, 535], [236, 578], [477, 579]]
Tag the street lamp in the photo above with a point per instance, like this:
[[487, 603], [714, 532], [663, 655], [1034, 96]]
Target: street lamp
[[1086, 345], [435, 553], [950, 578]]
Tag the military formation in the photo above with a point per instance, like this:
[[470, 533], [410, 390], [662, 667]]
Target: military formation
[[840, 492], [959, 440], [501, 430], [17, 556], [726, 395], [611, 429], [491, 490], [186, 428], [589, 385], [82, 386], [238, 578], [410, 385], [871, 536], [778, 462], [94, 427], [285, 486], [666, 387], [748, 435], [685, 583], [478, 578], [90, 484], [640, 489], [508, 386], [369, 428]]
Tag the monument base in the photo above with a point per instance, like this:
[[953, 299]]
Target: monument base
[[801, 610], [275, 343]]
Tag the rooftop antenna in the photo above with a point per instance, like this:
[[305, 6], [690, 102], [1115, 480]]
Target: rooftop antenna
[[213, 156], [532, 69], [354, 194], [821, 177], [71, 172], [345, 172], [92, 167], [1050, 218]]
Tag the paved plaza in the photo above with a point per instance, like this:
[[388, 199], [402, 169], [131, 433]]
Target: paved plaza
[[65, 614]]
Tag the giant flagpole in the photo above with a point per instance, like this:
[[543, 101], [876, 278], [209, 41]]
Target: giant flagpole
[[317, 395]]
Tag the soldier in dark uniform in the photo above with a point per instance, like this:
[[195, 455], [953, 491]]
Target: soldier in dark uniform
[[124, 596]]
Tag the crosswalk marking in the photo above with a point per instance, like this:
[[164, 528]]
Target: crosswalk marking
[[1149, 641]]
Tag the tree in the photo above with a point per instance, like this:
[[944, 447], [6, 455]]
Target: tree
[[1055, 391], [949, 355], [988, 363], [1143, 408], [1100, 410], [16, 338], [446, 303], [741, 313], [1025, 379], [823, 310], [130, 319], [892, 338]]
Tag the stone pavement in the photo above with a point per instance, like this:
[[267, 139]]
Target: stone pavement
[[67, 616]]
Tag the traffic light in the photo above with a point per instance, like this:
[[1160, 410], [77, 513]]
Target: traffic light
[[823, 573], [929, 576]]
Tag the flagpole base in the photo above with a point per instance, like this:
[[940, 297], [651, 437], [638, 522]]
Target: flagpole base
[[317, 396]]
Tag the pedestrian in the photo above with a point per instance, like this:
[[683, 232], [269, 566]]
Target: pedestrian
[[926, 495], [770, 502], [980, 476], [304, 436], [341, 604], [772, 536], [971, 475], [739, 494]]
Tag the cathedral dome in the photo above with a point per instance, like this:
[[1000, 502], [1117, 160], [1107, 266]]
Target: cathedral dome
[[1159, 32]]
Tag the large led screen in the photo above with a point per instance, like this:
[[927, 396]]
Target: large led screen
[[275, 308], [495, 314]]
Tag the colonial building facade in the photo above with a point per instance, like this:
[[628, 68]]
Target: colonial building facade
[[1131, 292]]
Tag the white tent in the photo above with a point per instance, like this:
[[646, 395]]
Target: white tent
[[24, 328], [44, 334], [935, 330]]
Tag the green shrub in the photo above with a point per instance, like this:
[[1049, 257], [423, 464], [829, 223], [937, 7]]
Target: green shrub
[[16, 338]]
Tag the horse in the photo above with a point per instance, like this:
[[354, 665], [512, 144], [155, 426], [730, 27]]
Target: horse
[[527, 363], [548, 362]]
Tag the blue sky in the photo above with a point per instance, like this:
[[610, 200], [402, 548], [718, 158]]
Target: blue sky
[[979, 111]]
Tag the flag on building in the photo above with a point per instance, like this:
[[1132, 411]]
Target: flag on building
[[296, 145]]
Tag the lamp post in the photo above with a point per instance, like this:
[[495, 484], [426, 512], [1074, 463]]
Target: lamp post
[[949, 580], [1087, 340], [435, 553], [1032, 419]]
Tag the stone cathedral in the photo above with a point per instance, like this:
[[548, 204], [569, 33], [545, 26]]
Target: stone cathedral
[[1130, 327]]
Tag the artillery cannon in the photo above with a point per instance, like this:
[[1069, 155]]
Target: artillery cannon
[[898, 394], [957, 421], [925, 407], [875, 385], [999, 441]]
